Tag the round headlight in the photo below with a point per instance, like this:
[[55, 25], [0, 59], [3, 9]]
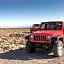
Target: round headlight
[[49, 36], [31, 36]]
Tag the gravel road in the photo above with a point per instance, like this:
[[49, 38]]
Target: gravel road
[[20, 56]]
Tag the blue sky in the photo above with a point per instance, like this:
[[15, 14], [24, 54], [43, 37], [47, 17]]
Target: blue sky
[[28, 12]]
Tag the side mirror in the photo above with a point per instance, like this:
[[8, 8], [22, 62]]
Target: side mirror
[[42, 27]]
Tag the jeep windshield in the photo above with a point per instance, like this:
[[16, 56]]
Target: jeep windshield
[[51, 25]]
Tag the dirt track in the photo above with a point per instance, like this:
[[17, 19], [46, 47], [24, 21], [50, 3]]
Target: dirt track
[[21, 57]]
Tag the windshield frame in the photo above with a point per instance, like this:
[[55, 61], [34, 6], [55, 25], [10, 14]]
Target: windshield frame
[[50, 23]]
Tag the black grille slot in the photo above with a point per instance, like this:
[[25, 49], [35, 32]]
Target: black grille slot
[[41, 37], [34, 37]]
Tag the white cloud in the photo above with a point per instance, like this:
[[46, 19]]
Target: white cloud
[[53, 19]]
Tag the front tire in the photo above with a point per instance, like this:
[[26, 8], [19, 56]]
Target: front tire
[[30, 47], [58, 48]]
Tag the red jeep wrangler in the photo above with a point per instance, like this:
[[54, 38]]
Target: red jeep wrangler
[[50, 37], [34, 28]]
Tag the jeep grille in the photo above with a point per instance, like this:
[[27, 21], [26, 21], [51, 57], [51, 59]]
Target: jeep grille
[[40, 37]]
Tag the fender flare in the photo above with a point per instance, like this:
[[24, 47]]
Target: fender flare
[[56, 38]]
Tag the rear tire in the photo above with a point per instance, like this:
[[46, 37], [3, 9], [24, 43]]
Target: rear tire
[[30, 47], [58, 48]]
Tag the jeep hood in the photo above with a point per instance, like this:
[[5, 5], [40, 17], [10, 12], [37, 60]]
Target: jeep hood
[[35, 27], [50, 32]]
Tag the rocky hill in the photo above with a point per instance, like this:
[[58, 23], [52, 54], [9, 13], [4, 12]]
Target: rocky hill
[[11, 39]]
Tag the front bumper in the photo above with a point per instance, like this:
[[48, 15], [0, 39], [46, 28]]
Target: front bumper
[[48, 41]]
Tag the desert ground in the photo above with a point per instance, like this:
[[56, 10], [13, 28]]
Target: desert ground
[[12, 49]]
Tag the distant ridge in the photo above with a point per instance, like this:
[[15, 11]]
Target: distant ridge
[[27, 26]]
